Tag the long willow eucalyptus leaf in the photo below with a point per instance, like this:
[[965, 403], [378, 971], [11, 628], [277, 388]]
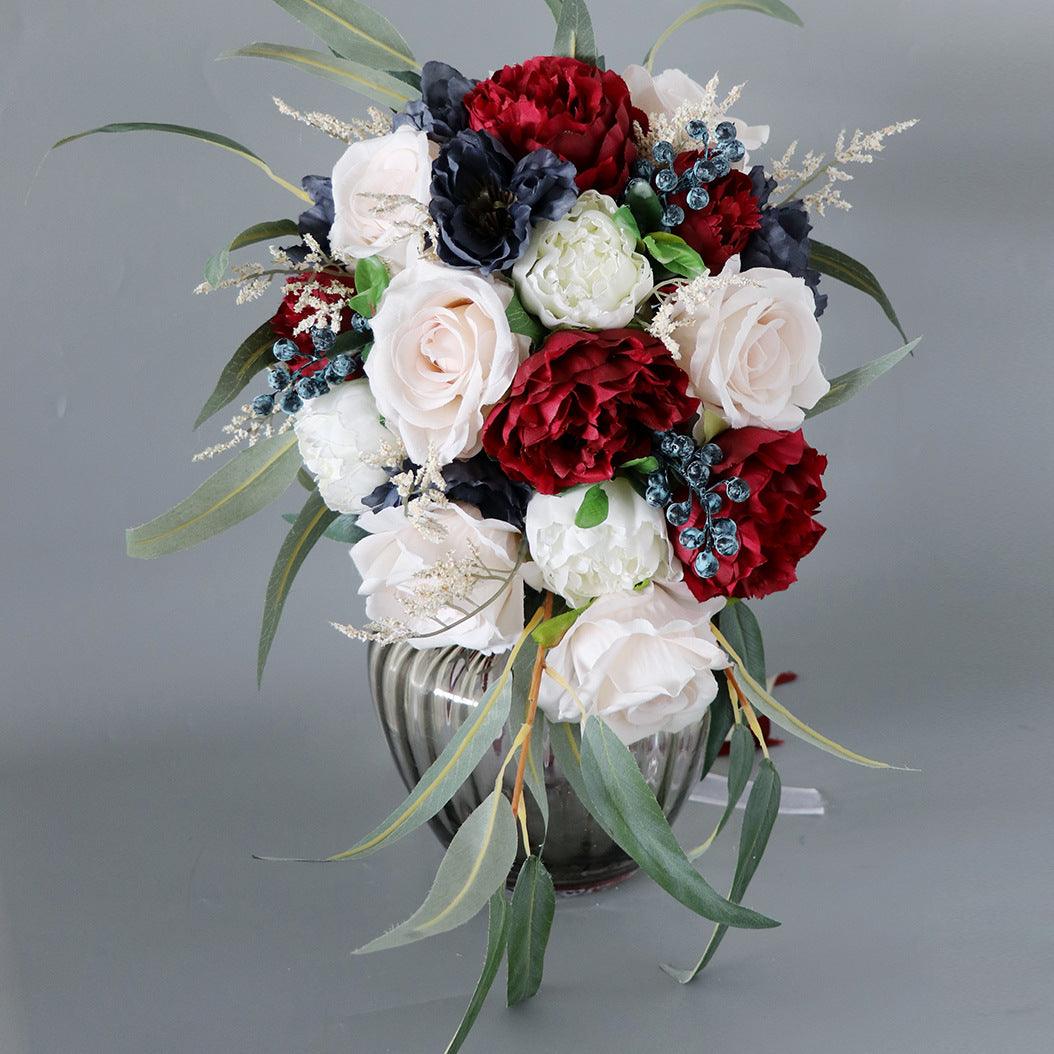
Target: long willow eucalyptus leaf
[[848, 384], [838, 265], [251, 356], [740, 764], [531, 918]]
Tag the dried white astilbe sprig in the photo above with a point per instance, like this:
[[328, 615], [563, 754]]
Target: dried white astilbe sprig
[[673, 128], [422, 491], [247, 427], [377, 123], [860, 149], [683, 296]]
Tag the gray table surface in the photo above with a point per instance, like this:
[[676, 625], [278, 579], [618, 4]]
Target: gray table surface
[[139, 767]]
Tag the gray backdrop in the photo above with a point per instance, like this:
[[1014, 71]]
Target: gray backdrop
[[140, 767]]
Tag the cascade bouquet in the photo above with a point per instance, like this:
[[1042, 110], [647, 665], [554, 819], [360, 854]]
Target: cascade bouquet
[[544, 348]]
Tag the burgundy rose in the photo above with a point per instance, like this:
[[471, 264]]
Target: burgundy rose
[[723, 228], [287, 317], [775, 525], [582, 114], [584, 404]]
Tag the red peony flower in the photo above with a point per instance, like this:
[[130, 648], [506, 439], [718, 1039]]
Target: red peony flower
[[289, 316], [776, 525], [721, 229], [582, 114], [585, 403]]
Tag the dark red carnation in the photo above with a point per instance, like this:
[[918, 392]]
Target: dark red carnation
[[584, 404], [582, 114], [288, 316], [776, 525], [723, 228]]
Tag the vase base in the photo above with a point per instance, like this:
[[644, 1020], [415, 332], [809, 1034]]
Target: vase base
[[576, 887]]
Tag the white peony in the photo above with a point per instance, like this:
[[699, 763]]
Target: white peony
[[581, 563], [399, 163], [583, 270], [670, 89], [443, 354], [396, 551], [642, 662], [334, 432], [753, 351]]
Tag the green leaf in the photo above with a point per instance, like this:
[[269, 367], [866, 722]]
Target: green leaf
[[371, 280], [194, 133], [556, 6], [675, 254], [624, 218], [552, 630], [644, 203], [531, 918], [247, 483], [476, 864], [253, 354], [309, 526], [739, 625], [534, 773], [354, 31], [523, 323], [721, 720], [497, 931], [763, 807], [740, 765], [848, 384], [594, 508], [623, 804], [267, 231], [574, 32], [566, 743], [643, 465], [216, 267], [836, 264], [377, 85], [775, 8], [343, 529]]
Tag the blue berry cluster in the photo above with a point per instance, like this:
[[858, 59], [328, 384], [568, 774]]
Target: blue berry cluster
[[720, 153], [296, 386], [682, 459]]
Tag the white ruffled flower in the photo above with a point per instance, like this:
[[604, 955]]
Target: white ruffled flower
[[336, 434], [665, 92], [428, 581], [752, 351], [581, 563], [396, 164], [583, 270], [443, 354], [642, 662]]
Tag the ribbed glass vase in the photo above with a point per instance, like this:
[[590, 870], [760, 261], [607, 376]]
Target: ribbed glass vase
[[423, 696]]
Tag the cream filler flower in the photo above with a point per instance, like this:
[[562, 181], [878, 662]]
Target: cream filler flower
[[583, 270]]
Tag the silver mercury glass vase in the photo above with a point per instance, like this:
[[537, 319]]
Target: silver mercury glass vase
[[423, 696]]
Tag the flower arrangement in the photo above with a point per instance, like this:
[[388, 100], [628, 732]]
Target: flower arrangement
[[545, 346]]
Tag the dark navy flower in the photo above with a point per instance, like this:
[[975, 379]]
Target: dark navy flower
[[316, 220], [484, 202], [440, 111], [782, 241]]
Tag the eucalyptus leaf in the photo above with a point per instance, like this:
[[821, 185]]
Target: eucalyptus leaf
[[623, 804], [313, 521], [343, 529], [721, 721], [775, 8], [763, 807], [574, 32], [267, 231], [740, 765], [740, 626], [520, 321], [244, 485], [216, 267], [848, 384], [556, 6], [377, 85], [497, 932], [476, 864], [594, 508], [565, 741], [252, 355], [839, 265], [354, 31], [531, 918], [193, 133], [674, 253]]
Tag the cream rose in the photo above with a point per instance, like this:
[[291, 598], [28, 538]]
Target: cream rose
[[335, 432], [583, 270], [443, 354], [753, 351], [399, 163], [394, 555], [642, 662], [581, 563], [668, 90]]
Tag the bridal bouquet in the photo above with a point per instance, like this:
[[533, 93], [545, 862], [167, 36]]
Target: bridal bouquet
[[545, 345]]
